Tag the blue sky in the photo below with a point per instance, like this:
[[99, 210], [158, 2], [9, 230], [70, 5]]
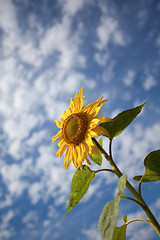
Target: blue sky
[[48, 50]]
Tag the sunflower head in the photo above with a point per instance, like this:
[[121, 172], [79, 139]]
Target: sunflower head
[[78, 125]]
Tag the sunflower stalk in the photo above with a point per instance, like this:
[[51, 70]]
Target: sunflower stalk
[[139, 200]]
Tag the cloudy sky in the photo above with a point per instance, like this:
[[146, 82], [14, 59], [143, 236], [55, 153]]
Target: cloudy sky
[[48, 50]]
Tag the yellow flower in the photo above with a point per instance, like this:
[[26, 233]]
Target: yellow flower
[[78, 126]]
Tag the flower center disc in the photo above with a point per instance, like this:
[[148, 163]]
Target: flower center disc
[[74, 128]]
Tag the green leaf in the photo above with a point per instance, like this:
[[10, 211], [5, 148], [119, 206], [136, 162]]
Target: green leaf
[[97, 158], [148, 178], [120, 233], [108, 218], [152, 168], [152, 161], [125, 218], [121, 121], [79, 186]]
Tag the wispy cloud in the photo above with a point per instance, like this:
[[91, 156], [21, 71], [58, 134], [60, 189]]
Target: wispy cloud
[[149, 82], [6, 230], [109, 30], [129, 78], [92, 233], [142, 17]]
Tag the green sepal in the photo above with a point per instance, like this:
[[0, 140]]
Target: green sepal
[[79, 186], [108, 218], [121, 121], [152, 168], [97, 158], [120, 233]]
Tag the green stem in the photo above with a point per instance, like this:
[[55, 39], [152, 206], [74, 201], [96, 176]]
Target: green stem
[[130, 187], [132, 199], [102, 170], [140, 183], [140, 219]]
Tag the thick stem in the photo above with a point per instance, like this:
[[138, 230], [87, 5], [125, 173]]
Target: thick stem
[[130, 187]]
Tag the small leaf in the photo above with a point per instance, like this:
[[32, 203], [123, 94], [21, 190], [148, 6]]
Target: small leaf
[[100, 142], [152, 168], [97, 158], [80, 184], [108, 218], [149, 176], [125, 218], [152, 161], [121, 121], [120, 233]]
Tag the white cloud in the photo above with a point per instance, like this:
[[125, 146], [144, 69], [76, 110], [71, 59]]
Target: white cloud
[[27, 102], [157, 204], [6, 230], [142, 17], [37, 137], [149, 82], [108, 73], [12, 177], [132, 146], [31, 216], [109, 31], [129, 78], [92, 233], [72, 7], [9, 26], [101, 58]]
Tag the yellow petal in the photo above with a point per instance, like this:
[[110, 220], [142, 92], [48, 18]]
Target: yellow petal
[[93, 134], [103, 119], [61, 141], [78, 100], [59, 123], [89, 142], [69, 156], [61, 150], [94, 111], [66, 114], [66, 158], [101, 131], [86, 147], [93, 123], [71, 107], [59, 134], [90, 107]]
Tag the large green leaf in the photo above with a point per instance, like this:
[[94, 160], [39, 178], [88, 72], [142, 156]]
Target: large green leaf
[[97, 158], [80, 184], [108, 218], [152, 168], [121, 121], [120, 233]]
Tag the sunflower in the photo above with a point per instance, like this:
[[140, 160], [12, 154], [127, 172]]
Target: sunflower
[[78, 126]]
